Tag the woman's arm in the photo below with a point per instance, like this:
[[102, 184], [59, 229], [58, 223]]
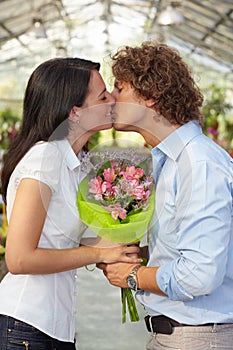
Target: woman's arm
[[26, 223]]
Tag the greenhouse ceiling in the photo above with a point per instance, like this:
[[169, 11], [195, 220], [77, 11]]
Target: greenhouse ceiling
[[33, 30]]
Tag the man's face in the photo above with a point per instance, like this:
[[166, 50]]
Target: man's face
[[129, 108]]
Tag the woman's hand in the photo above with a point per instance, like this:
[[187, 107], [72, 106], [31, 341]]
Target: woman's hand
[[120, 253]]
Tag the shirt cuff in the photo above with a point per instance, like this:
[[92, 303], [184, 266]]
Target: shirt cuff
[[166, 281]]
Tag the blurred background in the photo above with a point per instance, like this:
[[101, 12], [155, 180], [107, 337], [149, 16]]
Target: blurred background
[[32, 31]]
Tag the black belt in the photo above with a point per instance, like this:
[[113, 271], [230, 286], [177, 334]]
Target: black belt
[[164, 325]]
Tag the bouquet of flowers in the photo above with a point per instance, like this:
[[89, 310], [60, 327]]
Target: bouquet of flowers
[[116, 200]]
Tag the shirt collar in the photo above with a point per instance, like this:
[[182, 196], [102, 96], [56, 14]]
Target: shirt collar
[[70, 158], [173, 144]]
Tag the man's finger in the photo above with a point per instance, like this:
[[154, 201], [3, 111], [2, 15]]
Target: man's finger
[[101, 266]]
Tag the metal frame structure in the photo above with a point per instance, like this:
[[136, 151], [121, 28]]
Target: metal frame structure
[[94, 28]]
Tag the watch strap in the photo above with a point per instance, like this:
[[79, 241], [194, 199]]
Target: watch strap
[[133, 274]]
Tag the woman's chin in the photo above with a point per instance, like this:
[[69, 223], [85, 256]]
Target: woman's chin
[[123, 127]]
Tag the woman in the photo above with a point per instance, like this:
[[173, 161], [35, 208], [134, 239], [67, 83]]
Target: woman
[[186, 288], [65, 103]]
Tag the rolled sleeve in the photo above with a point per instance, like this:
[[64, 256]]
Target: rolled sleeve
[[167, 283], [203, 236]]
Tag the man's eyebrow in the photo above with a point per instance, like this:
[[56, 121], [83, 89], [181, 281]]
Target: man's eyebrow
[[103, 91]]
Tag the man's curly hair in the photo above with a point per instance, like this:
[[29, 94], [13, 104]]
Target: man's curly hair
[[158, 72]]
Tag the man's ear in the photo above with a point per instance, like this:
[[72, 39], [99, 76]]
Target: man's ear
[[150, 103], [74, 114]]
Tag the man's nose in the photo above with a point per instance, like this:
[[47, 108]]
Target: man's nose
[[115, 94]]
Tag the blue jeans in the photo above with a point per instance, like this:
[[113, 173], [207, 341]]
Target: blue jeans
[[18, 335]]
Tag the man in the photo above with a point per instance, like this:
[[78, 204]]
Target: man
[[186, 287]]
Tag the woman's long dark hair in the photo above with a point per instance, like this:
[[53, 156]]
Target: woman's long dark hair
[[53, 89]]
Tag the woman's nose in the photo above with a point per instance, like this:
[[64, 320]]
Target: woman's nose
[[111, 98]]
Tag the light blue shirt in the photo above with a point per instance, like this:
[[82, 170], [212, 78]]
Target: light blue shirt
[[192, 236]]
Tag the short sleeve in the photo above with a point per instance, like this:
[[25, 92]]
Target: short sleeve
[[43, 163]]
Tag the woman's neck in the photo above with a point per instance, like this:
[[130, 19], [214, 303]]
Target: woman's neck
[[78, 142]]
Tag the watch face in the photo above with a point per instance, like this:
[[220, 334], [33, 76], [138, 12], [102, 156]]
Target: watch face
[[131, 282]]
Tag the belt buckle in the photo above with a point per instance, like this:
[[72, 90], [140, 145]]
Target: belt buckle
[[160, 325], [151, 326]]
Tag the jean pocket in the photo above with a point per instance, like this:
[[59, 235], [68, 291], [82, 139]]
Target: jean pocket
[[20, 326], [19, 344], [23, 336]]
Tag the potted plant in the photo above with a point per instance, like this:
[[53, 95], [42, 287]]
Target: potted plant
[[3, 235], [9, 126], [215, 110]]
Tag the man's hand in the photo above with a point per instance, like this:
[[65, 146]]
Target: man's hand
[[117, 273]]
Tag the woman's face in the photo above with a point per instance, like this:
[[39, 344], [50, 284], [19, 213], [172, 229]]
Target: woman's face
[[95, 114]]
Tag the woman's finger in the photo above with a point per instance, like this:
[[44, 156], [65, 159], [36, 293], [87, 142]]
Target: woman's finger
[[132, 259]]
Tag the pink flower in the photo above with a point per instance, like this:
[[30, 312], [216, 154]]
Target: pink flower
[[139, 192], [116, 211], [109, 175], [106, 186], [111, 192], [132, 173], [96, 185], [129, 186], [211, 131]]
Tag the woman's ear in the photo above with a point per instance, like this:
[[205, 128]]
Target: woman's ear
[[74, 114]]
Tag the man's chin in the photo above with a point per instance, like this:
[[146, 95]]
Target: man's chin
[[105, 126]]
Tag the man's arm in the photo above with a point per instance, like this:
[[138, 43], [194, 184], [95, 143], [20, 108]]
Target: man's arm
[[146, 276]]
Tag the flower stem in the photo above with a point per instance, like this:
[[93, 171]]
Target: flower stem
[[126, 295], [123, 300]]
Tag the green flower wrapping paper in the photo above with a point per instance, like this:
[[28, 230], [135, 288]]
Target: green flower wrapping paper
[[116, 200]]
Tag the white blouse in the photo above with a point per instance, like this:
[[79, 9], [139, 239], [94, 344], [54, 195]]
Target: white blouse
[[47, 302]]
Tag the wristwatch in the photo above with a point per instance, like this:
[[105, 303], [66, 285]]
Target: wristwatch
[[132, 278]]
